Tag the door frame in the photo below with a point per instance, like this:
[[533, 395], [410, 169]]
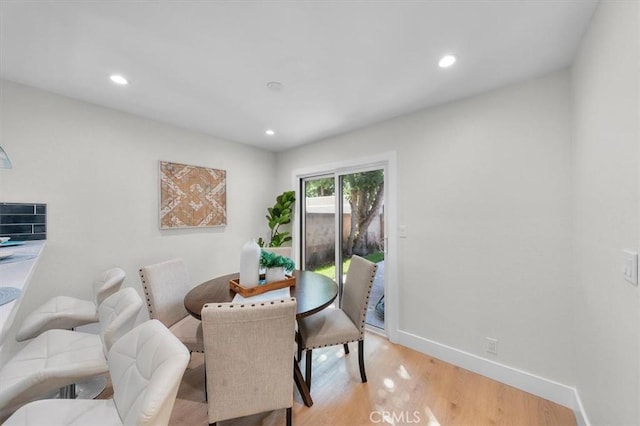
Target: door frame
[[388, 162]]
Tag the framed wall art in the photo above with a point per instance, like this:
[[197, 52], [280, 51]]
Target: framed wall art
[[192, 196]]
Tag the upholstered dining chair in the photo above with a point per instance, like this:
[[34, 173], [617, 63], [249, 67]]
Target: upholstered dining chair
[[340, 326], [146, 367], [249, 357], [165, 284], [58, 358], [65, 312]]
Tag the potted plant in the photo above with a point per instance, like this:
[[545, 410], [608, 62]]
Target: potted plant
[[278, 215], [275, 265]]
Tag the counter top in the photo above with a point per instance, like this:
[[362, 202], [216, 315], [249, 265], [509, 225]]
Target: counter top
[[16, 271]]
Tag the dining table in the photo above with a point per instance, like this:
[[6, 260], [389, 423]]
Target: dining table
[[313, 292]]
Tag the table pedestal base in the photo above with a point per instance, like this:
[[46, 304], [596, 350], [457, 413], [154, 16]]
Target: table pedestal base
[[87, 389]]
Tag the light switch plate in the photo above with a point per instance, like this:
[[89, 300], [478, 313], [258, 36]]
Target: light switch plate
[[631, 267]]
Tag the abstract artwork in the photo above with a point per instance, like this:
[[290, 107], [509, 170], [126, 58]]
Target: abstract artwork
[[192, 196]]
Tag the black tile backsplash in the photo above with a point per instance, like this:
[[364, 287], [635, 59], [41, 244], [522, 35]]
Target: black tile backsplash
[[10, 219], [23, 221], [16, 229]]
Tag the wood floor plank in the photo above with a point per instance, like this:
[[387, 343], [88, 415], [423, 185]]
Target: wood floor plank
[[404, 387]]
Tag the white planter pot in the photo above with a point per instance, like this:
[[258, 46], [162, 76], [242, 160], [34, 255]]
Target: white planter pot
[[274, 274]]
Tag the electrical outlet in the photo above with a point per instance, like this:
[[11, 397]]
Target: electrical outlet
[[492, 345]]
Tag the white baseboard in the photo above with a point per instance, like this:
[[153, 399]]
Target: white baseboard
[[536, 385]]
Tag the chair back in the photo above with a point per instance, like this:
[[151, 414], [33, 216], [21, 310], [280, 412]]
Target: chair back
[[117, 315], [357, 289], [108, 283], [165, 284], [146, 367], [248, 357]]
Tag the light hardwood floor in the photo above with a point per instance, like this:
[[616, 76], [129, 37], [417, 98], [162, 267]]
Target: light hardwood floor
[[407, 387]]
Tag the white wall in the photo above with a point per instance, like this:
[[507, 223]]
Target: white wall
[[97, 170], [484, 191], [605, 79]]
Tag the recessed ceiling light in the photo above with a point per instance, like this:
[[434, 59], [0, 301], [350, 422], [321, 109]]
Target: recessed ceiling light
[[446, 61], [275, 86], [270, 132], [118, 79]]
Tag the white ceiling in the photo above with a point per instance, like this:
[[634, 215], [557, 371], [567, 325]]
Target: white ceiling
[[205, 65]]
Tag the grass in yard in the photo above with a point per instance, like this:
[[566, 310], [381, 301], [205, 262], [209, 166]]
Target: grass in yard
[[330, 271]]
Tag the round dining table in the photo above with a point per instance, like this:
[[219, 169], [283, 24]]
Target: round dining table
[[313, 293]]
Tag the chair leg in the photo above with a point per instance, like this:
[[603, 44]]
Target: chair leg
[[346, 349], [307, 373], [289, 416], [363, 375], [301, 385], [299, 357]]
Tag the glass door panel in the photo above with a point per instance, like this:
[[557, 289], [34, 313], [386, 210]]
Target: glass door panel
[[355, 207], [318, 225], [362, 231]]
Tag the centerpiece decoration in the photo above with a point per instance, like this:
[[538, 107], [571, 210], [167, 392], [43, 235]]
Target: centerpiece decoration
[[276, 265], [275, 277]]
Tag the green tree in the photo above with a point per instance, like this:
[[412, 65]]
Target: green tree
[[365, 192], [320, 187]]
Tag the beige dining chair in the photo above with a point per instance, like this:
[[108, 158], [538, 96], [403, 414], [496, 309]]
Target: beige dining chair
[[340, 326], [66, 312], [165, 284], [58, 358], [248, 357], [146, 367]]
